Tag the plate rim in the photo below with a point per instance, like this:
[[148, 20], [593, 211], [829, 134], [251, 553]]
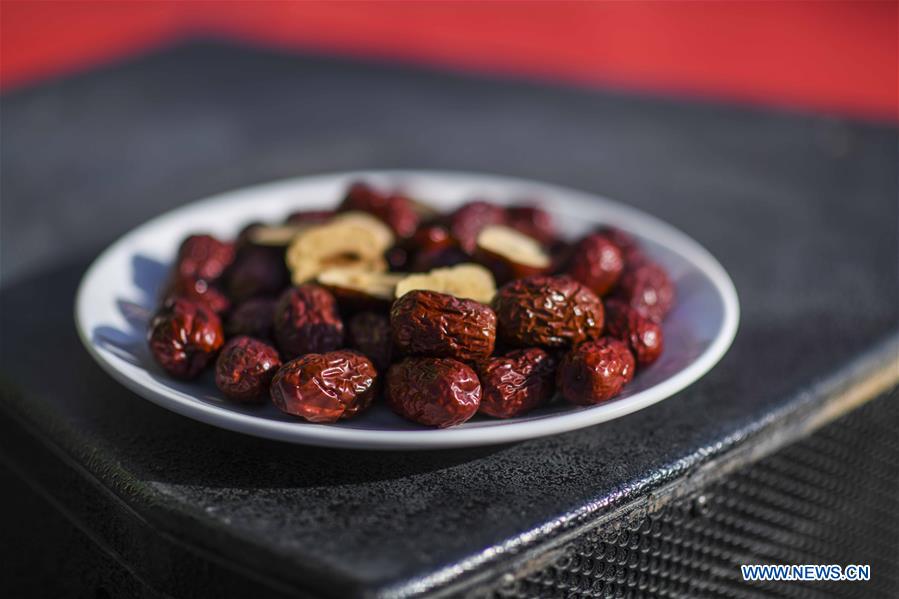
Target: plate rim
[[504, 431]]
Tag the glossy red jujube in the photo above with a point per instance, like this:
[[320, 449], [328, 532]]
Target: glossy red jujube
[[428, 323], [437, 392], [643, 336], [597, 263], [626, 243], [197, 290], [253, 318], [647, 289], [517, 382], [369, 333], [184, 337], [203, 257], [306, 322], [325, 387], [595, 371], [244, 369], [547, 312], [257, 271]]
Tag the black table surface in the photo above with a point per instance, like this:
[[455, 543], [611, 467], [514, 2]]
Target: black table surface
[[800, 209]]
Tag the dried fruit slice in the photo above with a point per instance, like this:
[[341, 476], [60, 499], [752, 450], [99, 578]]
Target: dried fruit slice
[[360, 289], [351, 240], [383, 235], [510, 254], [471, 281]]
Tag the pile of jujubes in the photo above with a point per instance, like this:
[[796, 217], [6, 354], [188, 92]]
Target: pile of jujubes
[[484, 310]]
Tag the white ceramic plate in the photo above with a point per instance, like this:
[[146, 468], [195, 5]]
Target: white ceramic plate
[[119, 291]]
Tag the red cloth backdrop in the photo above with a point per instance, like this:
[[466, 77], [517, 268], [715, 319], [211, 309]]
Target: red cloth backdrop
[[834, 55]]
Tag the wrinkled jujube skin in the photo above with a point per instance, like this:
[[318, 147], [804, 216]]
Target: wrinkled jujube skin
[[427, 323], [245, 368], [369, 333], [325, 387], [647, 289], [257, 271], [437, 392], [517, 382], [597, 263], [595, 371], [198, 290], [469, 219], [643, 337], [184, 337], [547, 312], [396, 210], [307, 322], [533, 222], [204, 257], [253, 318]]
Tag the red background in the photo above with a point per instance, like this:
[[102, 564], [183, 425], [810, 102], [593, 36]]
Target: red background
[[832, 56]]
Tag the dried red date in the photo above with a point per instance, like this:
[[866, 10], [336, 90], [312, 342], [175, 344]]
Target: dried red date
[[595, 372], [396, 210], [547, 312], [438, 258], [597, 263], [244, 369], [643, 336], [441, 325], [253, 318], [307, 321], [647, 289], [430, 238], [204, 257], [517, 382], [184, 337], [197, 290], [369, 332], [469, 219], [257, 271], [397, 259], [325, 387], [630, 248], [437, 392], [533, 222]]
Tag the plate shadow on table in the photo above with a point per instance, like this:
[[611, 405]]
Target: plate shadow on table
[[152, 444]]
